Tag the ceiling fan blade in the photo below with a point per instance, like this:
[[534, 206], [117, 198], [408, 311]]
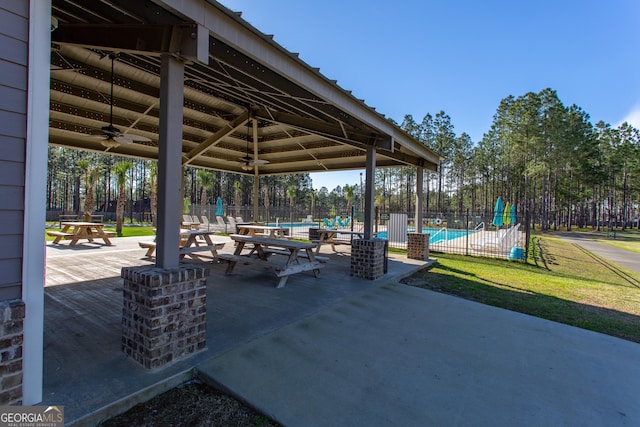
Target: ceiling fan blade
[[258, 162], [132, 137]]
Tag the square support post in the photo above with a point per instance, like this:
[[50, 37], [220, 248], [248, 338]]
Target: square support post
[[418, 246], [419, 198], [369, 192], [368, 258], [164, 314], [170, 161], [11, 351]]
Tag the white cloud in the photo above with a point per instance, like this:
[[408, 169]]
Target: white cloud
[[632, 117]]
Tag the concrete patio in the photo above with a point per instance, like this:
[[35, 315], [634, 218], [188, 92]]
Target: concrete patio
[[84, 367]]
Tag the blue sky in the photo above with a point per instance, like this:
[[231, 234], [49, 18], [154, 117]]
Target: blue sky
[[463, 57]]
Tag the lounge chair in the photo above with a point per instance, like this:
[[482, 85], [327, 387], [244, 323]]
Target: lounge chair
[[503, 241], [328, 223], [221, 223], [212, 226], [233, 225], [187, 221], [345, 223]]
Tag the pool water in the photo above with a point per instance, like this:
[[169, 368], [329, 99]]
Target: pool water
[[292, 225], [449, 235]]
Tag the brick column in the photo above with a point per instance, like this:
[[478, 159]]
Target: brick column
[[11, 339], [164, 313], [418, 246], [368, 258]]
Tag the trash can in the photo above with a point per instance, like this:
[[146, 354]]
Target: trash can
[[516, 254], [314, 234]]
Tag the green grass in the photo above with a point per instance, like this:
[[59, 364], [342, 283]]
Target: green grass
[[560, 282], [127, 231]]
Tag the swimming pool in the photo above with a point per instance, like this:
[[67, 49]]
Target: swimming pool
[[292, 224], [435, 236]]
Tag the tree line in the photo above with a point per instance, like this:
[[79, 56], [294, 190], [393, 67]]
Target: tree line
[[545, 158]]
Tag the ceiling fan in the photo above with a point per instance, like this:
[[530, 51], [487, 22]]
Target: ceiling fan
[[250, 162], [110, 135]]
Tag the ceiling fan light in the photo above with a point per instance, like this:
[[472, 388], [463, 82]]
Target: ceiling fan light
[[247, 167], [110, 143]]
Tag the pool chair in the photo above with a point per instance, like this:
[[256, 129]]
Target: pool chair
[[233, 226], [328, 223], [221, 222], [502, 242], [212, 226], [345, 223]]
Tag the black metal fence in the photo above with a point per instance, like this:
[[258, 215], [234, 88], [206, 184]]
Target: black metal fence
[[468, 233], [493, 235]]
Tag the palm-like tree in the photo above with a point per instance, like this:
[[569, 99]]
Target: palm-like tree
[[207, 180], [348, 194], [91, 175], [265, 190], [153, 182], [291, 194], [313, 193], [237, 199], [120, 171]]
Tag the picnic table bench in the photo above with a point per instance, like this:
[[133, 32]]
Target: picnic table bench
[[300, 256], [329, 236], [192, 242], [77, 230]]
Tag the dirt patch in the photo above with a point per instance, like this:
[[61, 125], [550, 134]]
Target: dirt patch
[[192, 404]]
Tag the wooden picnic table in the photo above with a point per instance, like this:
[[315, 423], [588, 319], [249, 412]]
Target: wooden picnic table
[[77, 230], [300, 256], [261, 230], [192, 243], [329, 236]]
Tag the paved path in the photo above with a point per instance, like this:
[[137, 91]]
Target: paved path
[[627, 259], [403, 356]]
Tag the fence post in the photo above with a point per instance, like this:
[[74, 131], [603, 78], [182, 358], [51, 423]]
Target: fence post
[[527, 220], [466, 249]]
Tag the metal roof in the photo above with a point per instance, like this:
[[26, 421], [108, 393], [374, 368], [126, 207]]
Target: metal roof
[[303, 121]]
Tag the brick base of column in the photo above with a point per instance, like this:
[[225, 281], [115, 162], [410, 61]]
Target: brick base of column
[[418, 246], [368, 258], [11, 341], [164, 313]]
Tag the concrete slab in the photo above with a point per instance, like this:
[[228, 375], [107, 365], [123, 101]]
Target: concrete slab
[[398, 355], [85, 369]]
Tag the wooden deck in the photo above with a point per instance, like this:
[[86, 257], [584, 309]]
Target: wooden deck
[[84, 367]]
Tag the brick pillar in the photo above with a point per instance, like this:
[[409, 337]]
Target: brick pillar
[[418, 246], [11, 339], [164, 313], [368, 258]]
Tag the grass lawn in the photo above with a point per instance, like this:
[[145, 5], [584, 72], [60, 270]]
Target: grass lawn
[[560, 282], [127, 230]]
